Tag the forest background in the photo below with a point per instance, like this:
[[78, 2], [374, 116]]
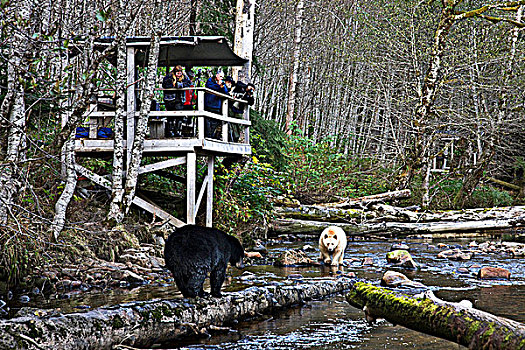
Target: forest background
[[353, 98]]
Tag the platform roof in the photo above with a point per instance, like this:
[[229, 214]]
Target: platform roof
[[185, 50]]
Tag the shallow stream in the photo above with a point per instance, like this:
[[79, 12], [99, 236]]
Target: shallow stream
[[331, 323]]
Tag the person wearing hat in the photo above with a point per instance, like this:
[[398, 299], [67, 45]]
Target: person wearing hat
[[213, 103], [243, 92], [174, 100]]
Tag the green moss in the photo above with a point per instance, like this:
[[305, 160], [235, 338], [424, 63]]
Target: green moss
[[156, 314], [117, 322], [34, 332]]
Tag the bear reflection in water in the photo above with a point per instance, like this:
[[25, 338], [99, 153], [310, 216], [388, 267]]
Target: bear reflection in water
[[192, 252]]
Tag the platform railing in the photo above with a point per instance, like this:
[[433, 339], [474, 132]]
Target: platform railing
[[157, 119]]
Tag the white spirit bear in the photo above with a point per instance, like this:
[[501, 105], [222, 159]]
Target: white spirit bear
[[332, 245]]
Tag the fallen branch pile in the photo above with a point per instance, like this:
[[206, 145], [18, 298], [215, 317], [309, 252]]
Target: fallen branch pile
[[366, 215]]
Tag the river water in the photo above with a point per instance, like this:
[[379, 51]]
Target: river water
[[332, 323]]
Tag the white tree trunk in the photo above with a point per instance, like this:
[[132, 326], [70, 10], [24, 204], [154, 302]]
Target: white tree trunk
[[292, 83], [14, 107], [142, 125], [117, 192], [69, 188], [243, 44]]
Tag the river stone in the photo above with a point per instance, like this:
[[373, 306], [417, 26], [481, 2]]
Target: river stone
[[454, 254], [401, 257], [253, 255], [488, 273], [393, 279], [399, 246]]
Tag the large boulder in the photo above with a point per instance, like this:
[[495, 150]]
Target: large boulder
[[401, 258], [491, 273]]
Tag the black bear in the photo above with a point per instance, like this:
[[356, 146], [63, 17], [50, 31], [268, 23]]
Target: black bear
[[191, 252]]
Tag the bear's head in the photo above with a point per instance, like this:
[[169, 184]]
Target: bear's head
[[236, 253], [330, 240]]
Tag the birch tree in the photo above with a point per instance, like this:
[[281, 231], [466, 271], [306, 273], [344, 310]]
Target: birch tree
[[294, 65], [13, 109], [147, 94]]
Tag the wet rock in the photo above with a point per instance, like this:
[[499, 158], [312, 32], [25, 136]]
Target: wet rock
[[475, 266], [463, 270], [253, 255], [442, 245], [349, 274], [367, 261], [397, 279], [127, 276], [260, 249], [247, 276], [401, 258], [308, 248], [393, 278], [294, 257], [24, 299], [399, 246], [295, 276], [493, 273], [454, 254]]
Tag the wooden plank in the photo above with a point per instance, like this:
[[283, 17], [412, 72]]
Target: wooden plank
[[162, 165], [153, 209], [209, 199], [225, 147], [198, 114], [156, 211], [191, 179], [201, 194], [130, 102]]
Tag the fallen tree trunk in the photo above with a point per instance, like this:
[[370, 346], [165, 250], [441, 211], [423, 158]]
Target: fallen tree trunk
[[142, 324], [436, 227], [452, 321], [293, 226], [362, 202]]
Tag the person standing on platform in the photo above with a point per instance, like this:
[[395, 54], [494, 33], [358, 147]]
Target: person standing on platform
[[174, 100], [213, 103]]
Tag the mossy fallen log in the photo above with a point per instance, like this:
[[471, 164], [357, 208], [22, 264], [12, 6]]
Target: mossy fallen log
[[142, 324], [293, 226], [452, 321]]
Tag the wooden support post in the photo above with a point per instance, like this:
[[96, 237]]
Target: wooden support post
[[130, 103], [246, 116], [200, 109], [191, 183], [209, 201], [225, 125]]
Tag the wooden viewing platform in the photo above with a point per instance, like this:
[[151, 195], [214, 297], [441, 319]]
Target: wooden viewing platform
[[177, 151]]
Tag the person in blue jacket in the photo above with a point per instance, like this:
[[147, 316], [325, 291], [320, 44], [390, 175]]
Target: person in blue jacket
[[213, 103]]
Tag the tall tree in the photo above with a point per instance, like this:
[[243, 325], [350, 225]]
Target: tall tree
[[294, 65]]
